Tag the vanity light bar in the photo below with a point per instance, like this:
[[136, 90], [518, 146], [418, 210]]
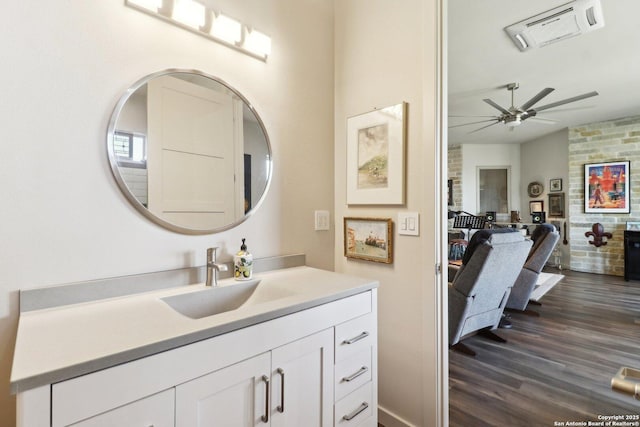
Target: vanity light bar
[[196, 17], [227, 29], [189, 13], [257, 42]]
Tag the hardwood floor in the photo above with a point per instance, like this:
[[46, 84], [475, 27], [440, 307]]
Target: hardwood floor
[[556, 367]]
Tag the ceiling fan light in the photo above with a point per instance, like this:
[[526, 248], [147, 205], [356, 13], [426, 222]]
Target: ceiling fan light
[[513, 122]]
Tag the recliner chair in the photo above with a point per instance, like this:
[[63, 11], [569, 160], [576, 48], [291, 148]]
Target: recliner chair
[[480, 289], [544, 237]]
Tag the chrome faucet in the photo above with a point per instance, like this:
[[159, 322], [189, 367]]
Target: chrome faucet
[[213, 267]]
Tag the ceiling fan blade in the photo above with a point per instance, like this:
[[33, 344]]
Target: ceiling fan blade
[[543, 121], [562, 110], [484, 127], [566, 101], [544, 92], [496, 106], [473, 123], [474, 116]]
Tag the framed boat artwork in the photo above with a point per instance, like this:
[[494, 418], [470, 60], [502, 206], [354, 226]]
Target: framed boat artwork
[[369, 239]]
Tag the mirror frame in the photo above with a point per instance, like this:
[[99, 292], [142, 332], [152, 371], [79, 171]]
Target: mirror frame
[[123, 185]]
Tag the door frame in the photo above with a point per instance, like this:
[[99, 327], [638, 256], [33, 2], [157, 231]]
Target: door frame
[[441, 137]]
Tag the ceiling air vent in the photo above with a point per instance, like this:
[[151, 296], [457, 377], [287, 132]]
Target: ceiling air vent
[[563, 22]]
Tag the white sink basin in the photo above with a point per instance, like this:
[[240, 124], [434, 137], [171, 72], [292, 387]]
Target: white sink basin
[[216, 300]]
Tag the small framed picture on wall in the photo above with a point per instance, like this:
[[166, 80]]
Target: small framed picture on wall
[[556, 205], [536, 206], [369, 239], [555, 184]]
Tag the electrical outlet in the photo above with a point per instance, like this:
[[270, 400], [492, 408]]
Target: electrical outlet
[[322, 220]]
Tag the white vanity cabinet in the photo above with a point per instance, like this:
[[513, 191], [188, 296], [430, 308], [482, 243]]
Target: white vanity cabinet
[[232, 396], [313, 367], [355, 372], [302, 386], [291, 385], [156, 411]]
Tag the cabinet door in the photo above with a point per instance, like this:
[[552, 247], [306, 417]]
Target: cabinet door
[[156, 411], [235, 396], [302, 382]]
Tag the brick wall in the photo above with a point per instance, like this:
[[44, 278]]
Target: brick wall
[[455, 173], [609, 141]]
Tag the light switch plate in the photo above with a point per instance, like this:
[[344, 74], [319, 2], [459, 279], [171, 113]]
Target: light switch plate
[[409, 223], [322, 220]]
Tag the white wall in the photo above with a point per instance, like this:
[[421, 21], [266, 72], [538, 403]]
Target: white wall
[[385, 54], [541, 160], [477, 155], [66, 65]]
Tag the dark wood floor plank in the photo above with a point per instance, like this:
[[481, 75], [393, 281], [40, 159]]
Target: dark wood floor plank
[[556, 367]]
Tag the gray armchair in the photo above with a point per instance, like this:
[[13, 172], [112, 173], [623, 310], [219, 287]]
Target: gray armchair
[[480, 289], [544, 237]]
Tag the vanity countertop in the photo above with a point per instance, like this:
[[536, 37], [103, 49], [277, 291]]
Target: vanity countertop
[[55, 344]]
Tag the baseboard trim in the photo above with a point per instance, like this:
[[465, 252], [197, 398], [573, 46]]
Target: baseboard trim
[[389, 419]]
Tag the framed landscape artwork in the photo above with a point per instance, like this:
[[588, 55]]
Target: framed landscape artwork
[[369, 239], [556, 205], [375, 156], [606, 187]]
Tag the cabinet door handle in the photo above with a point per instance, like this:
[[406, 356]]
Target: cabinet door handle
[[627, 381], [280, 407], [355, 375], [265, 417], [359, 409], [356, 339]]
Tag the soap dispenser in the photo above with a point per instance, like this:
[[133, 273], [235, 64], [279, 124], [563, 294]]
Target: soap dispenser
[[243, 263]]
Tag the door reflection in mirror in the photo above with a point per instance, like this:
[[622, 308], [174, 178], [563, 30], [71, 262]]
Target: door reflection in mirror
[[180, 143]]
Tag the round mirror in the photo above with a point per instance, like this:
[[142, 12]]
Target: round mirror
[[189, 151]]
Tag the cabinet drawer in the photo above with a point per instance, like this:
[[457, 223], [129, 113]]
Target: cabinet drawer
[[156, 410], [353, 372], [354, 336], [356, 408]]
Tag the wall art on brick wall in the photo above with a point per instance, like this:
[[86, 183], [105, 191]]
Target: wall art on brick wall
[[607, 187]]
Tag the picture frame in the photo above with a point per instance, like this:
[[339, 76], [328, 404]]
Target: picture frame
[[535, 189], [536, 206], [369, 239], [555, 184], [376, 156], [556, 205], [633, 226], [606, 187]]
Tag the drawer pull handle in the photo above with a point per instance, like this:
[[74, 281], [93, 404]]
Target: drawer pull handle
[[355, 375], [280, 407], [265, 417], [356, 339], [357, 412], [627, 381]]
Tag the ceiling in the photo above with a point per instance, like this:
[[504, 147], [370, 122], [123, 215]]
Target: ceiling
[[482, 60]]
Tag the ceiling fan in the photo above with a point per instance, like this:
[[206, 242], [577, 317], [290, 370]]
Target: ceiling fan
[[514, 116]]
